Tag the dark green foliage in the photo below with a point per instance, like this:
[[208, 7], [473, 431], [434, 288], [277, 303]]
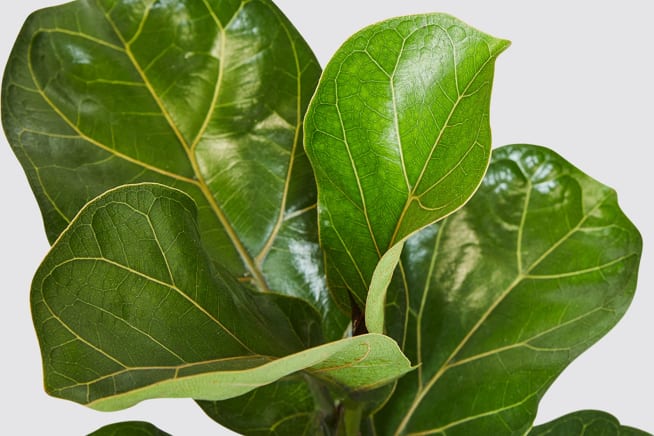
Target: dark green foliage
[[302, 255]]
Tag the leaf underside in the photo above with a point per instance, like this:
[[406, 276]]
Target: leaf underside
[[398, 135], [131, 269], [101, 93], [505, 293]]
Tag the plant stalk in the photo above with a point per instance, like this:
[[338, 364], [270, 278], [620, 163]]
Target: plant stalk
[[349, 423]]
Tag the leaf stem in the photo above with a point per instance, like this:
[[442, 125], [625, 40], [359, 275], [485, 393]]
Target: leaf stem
[[325, 403], [349, 423]]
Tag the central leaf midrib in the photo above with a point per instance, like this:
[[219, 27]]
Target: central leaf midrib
[[424, 390], [190, 152], [461, 95]]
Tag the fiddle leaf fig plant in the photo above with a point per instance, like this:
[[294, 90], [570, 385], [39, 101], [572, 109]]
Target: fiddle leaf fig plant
[[300, 252]]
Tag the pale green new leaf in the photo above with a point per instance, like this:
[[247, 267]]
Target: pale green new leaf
[[359, 363], [129, 428], [585, 423], [128, 306], [506, 292], [398, 135], [204, 95]]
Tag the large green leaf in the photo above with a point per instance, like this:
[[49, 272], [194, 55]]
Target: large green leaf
[[505, 293], [398, 135], [585, 423], [204, 95], [128, 306], [129, 428]]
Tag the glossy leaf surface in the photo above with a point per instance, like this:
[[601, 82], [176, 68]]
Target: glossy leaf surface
[[506, 292], [130, 428], [398, 136], [585, 423], [128, 306], [204, 95]]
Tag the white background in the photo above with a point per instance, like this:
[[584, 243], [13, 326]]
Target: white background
[[578, 78]]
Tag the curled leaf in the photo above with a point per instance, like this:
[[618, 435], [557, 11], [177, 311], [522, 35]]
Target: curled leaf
[[585, 422], [129, 306]]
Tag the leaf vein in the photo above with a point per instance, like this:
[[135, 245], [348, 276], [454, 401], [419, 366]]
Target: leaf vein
[[439, 373], [160, 283]]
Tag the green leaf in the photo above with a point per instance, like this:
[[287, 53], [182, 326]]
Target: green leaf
[[585, 422], [128, 306], [268, 410], [398, 136], [505, 293], [295, 405], [288, 407], [206, 96], [360, 363], [381, 278], [129, 428]]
